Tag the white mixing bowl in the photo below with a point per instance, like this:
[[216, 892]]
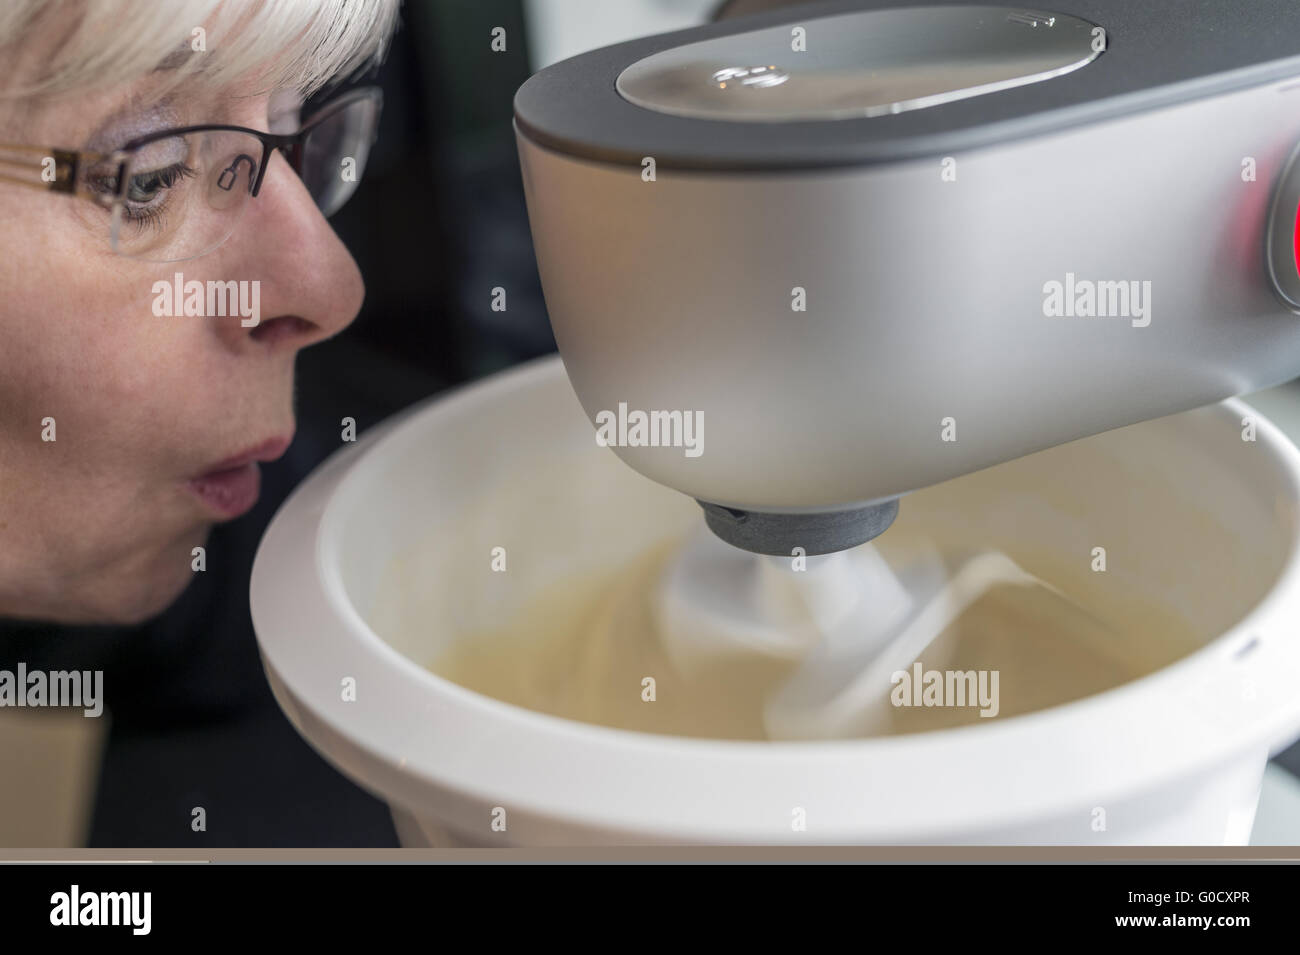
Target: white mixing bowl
[[1196, 521]]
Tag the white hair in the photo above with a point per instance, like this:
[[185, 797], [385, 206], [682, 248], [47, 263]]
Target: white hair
[[299, 44]]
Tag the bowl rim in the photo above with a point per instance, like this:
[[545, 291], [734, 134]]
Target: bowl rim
[[564, 776]]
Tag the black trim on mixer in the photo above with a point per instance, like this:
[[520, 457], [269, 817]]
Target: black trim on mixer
[[1159, 53]]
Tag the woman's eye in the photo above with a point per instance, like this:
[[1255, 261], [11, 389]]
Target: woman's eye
[[144, 187], [147, 196]]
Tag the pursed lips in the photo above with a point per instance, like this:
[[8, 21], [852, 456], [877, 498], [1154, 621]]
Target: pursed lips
[[232, 486]]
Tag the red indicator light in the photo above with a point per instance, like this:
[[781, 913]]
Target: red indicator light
[[1295, 240]]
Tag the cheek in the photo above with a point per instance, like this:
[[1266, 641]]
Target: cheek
[[85, 353], [79, 348], [137, 399]]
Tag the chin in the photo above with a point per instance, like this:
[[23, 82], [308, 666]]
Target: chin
[[140, 608], [128, 605], [140, 591]]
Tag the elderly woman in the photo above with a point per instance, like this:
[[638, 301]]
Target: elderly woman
[[165, 255]]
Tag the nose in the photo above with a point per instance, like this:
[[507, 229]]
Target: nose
[[309, 287]]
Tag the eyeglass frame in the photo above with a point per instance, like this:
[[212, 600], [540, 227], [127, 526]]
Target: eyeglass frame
[[67, 163]]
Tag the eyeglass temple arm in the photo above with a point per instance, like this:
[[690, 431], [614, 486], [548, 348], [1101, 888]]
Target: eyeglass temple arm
[[37, 167]]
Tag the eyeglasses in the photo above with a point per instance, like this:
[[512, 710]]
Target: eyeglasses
[[178, 193]]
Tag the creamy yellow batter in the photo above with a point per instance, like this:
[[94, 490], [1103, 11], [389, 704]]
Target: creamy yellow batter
[[588, 649]]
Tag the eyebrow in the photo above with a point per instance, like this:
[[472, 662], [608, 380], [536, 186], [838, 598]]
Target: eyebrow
[[175, 59], [131, 121]]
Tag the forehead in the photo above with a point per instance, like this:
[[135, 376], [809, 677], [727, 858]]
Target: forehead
[[105, 119], [55, 82]]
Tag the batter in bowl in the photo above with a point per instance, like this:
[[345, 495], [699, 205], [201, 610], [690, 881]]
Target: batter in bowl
[[594, 649]]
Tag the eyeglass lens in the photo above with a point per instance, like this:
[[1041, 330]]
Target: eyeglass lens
[[185, 194]]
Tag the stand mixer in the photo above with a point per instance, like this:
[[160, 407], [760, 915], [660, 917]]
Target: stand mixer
[[915, 247], [876, 246]]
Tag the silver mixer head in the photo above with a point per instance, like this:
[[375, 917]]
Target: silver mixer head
[[876, 245], [786, 534]]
